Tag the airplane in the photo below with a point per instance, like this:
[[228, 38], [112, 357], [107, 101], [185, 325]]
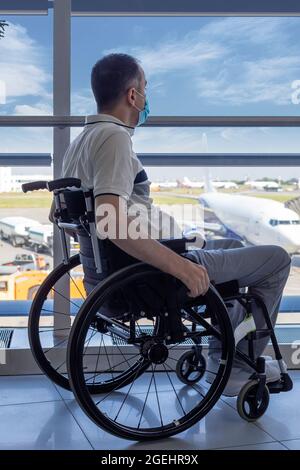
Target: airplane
[[225, 184], [156, 186], [266, 185], [257, 221], [187, 183], [168, 184]]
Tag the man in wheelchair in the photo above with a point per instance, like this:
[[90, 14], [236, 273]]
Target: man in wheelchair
[[103, 158]]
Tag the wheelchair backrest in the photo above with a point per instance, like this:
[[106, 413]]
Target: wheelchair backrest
[[75, 210], [74, 204]]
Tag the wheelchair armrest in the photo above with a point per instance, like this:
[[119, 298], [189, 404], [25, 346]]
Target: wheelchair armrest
[[195, 239], [181, 245], [177, 244], [63, 183], [227, 289], [70, 226]]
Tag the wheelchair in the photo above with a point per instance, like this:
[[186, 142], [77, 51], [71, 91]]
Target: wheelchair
[[135, 349]]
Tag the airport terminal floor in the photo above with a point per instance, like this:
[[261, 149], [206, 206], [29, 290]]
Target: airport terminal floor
[[39, 415]]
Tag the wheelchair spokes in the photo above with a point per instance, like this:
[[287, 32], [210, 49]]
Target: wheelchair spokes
[[158, 388], [127, 378], [57, 302], [108, 361]]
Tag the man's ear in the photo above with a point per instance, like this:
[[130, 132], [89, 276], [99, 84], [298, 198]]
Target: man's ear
[[131, 96]]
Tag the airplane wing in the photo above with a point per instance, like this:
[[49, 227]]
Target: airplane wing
[[211, 227], [214, 227], [293, 204]]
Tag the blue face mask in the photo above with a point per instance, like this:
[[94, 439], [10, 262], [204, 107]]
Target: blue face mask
[[143, 113]]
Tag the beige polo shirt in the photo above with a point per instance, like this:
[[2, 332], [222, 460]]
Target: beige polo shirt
[[103, 158]]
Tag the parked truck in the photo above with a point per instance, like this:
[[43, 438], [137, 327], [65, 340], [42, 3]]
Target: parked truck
[[26, 262], [40, 238], [24, 285], [20, 285], [15, 229]]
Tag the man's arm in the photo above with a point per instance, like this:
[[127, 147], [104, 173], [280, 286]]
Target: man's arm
[[51, 213], [150, 251]]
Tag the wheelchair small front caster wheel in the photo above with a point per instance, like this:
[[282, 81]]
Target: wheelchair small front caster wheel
[[190, 367], [248, 405]]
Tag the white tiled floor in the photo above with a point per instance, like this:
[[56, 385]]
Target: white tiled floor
[[35, 414]]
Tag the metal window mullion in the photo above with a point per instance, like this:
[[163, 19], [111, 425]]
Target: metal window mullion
[[25, 159], [61, 120], [220, 159], [185, 8], [61, 136], [158, 8]]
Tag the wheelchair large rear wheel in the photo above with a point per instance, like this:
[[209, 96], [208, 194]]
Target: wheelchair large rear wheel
[[50, 320], [50, 324], [140, 367]]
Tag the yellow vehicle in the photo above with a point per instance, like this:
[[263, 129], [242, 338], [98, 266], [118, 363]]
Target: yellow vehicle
[[23, 285]]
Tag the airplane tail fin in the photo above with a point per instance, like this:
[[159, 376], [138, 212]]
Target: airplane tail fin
[[208, 186]]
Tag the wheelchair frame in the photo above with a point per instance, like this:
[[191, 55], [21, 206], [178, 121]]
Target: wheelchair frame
[[258, 390]]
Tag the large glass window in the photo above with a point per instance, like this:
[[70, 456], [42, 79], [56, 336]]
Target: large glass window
[[26, 235], [197, 66], [255, 205], [194, 67], [26, 66], [214, 140], [26, 242]]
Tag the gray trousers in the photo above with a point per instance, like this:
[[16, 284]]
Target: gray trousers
[[263, 269]]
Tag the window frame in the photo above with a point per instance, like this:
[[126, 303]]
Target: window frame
[[62, 121]]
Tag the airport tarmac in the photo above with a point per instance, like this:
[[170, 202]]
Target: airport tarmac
[[41, 213], [8, 252]]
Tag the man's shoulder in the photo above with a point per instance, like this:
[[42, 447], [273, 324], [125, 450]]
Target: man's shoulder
[[107, 129]]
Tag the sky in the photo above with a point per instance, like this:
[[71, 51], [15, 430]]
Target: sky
[[194, 66]]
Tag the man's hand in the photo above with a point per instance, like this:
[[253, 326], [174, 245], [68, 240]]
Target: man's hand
[[195, 278], [150, 251]]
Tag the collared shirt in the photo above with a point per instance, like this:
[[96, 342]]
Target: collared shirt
[[102, 157]]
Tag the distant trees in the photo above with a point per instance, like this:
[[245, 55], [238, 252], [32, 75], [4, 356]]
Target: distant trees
[[3, 24]]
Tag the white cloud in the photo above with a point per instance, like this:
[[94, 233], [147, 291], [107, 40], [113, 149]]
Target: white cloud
[[83, 102], [158, 87], [21, 65], [175, 55], [265, 80], [39, 109], [2, 92], [231, 60], [220, 140], [249, 30], [26, 140], [168, 140]]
